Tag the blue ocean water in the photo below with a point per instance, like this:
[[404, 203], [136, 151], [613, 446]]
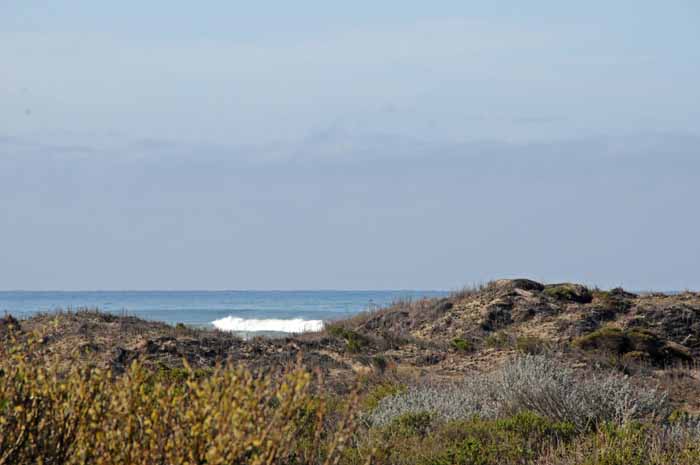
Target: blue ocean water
[[287, 311]]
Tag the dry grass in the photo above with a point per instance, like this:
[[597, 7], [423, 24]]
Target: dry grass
[[470, 291], [676, 444]]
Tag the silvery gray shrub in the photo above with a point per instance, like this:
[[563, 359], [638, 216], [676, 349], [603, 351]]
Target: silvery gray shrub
[[470, 398], [538, 383]]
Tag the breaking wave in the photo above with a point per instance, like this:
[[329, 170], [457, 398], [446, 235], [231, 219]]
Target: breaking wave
[[296, 325]]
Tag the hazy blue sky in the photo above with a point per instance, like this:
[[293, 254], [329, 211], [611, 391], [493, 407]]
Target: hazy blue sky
[[309, 144]]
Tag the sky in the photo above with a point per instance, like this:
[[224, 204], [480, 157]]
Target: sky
[[364, 145]]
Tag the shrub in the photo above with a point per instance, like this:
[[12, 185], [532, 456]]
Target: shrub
[[354, 341], [461, 345], [464, 400], [526, 438], [9, 325], [635, 359], [514, 440], [642, 343], [531, 345], [86, 415], [616, 300], [631, 444], [539, 384], [379, 392], [608, 338], [569, 292], [545, 386], [499, 340], [380, 363], [417, 439], [412, 423]]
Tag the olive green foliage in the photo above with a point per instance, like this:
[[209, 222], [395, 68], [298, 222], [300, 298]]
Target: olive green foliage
[[170, 375], [633, 444], [499, 340], [531, 345], [569, 292], [53, 411], [461, 345], [608, 338], [378, 392], [525, 438], [82, 414], [635, 344], [354, 341], [412, 423], [417, 438], [518, 439], [613, 300]]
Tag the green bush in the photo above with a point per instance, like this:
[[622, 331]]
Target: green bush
[[354, 341], [410, 424], [461, 345], [519, 439], [639, 343], [569, 292], [608, 338], [633, 444], [614, 300], [419, 439], [379, 392]]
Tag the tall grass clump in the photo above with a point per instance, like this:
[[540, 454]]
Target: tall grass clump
[[534, 383], [78, 415]]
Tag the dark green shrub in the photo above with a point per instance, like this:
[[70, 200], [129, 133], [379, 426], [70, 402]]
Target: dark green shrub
[[380, 363], [569, 292], [636, 358], [608, 339], [411, 424], [639, 343], [354, 341], [616, 300], [643, 340], [514, 440]]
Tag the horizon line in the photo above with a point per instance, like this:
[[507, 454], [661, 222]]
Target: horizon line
[[225, 290]]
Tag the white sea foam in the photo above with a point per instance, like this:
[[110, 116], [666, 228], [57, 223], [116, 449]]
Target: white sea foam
[[296, 325]]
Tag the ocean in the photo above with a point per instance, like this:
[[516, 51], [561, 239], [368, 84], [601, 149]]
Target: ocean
[[237, 311]]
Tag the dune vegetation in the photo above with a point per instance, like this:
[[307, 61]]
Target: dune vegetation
[[509, 373]]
